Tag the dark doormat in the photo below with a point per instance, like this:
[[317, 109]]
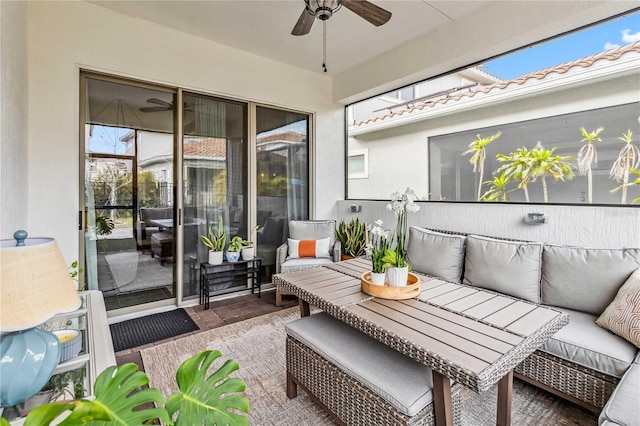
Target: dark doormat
[[152, 328]]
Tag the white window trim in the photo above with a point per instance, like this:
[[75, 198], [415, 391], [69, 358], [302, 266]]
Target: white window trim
[[356, 153]]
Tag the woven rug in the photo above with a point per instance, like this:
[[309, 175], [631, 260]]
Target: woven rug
[[258, 346], [151, 328]]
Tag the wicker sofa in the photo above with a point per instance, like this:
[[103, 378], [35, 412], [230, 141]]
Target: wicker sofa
[[583, 362]]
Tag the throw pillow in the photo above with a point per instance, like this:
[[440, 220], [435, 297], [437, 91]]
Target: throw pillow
[[622, 316], [308, 248], [508, 267], [435, 253]]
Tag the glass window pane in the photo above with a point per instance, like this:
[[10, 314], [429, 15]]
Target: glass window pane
[[215, 176], [452, 176], [282, 178]]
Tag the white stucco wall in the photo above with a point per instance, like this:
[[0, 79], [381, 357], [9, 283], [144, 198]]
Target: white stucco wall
[[585, 226], [13, 118], [402, 151], [66, 36]]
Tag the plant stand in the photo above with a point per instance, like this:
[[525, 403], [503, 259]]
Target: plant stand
[[228, 277]]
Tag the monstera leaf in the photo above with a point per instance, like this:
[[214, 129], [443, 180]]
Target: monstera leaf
[[209, 400], [118, 391]]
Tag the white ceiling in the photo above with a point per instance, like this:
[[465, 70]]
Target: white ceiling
[[263, 27]]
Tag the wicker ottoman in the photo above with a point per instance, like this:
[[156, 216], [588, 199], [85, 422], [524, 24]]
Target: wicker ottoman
[[349, 399], [162, 246]]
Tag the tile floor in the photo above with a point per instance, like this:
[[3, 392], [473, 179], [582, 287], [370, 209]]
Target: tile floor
[[221, 313]]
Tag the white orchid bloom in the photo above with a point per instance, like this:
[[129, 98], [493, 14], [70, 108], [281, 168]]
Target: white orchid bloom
[[378, 222]]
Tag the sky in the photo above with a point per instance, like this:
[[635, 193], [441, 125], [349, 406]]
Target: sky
[[104, 139], [596, 39]]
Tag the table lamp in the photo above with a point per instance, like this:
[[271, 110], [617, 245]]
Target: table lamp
[[35, 284]]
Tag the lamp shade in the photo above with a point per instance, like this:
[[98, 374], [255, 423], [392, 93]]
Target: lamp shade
[[36, 284]]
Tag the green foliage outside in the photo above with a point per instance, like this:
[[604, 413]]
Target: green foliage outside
[[524, 166]]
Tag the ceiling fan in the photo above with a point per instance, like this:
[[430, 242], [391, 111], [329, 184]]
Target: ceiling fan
[[324, 9], [162, 106]]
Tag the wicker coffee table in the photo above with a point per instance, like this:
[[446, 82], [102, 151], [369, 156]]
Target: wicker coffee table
[[464, 333]]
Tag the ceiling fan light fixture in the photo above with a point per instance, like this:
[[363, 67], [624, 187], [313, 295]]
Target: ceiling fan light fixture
[[322, 9]]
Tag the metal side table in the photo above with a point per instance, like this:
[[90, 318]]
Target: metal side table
[[228, 277]]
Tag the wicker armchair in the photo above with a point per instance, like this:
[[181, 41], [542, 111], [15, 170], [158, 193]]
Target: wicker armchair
[[307, 230]]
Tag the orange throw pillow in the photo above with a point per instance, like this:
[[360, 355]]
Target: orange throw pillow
[[308, 248]]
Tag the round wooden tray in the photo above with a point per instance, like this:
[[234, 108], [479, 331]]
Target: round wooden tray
[[411, 290]]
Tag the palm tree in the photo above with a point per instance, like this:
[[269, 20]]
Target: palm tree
[[544, 164], [477, 147], [498, 189], [634, 183], [628, 158], [587, 155], [518, 167]]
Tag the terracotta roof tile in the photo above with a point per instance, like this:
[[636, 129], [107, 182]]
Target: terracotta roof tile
[[206, 147], [283, 136], [609, 55]]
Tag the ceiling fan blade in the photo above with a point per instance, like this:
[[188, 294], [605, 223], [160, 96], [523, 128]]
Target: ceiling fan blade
[[369, 11], [154, 109], [303, 26], [160, 102]]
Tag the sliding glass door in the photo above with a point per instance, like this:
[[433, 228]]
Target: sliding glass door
[[214, 176], [128, 187], [282, 178], [160, 165]]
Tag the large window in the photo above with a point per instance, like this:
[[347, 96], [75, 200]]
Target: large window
[[534, 167], [554, 123]]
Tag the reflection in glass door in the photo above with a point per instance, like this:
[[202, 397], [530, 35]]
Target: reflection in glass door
[[282, 180], [128, 176], [214, 178]]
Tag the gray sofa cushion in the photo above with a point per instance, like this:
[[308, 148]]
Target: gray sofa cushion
[[585, 279], [313, 230], [509, 267], [435, 253], [623, 407], [403, 382], [586, 344]]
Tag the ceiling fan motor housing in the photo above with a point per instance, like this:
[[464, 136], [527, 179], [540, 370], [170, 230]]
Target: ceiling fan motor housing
[[323, 9]]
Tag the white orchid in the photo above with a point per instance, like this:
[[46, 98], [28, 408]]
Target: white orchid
[[401, 205], [379, 242]]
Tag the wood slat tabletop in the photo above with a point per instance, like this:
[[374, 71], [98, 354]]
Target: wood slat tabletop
[[467, 333]]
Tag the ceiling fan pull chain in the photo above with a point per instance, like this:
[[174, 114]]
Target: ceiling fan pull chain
[[324, 45]]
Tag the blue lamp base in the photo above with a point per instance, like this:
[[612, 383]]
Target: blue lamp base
[[27, 361]]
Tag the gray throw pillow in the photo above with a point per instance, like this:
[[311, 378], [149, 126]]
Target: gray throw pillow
[[508, 267], [435, 253], [584, 279]]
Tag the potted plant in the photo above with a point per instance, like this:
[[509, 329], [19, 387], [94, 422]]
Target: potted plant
[[394, 260], [248, 249], [215, 242], [379, 243], [233, 252], [121, 397], [352, 237]]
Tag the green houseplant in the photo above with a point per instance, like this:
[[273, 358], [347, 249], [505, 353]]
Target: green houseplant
[[248, 246], [216, 242], [379, 243], [352, 237], [233, 251], [120, 393]]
